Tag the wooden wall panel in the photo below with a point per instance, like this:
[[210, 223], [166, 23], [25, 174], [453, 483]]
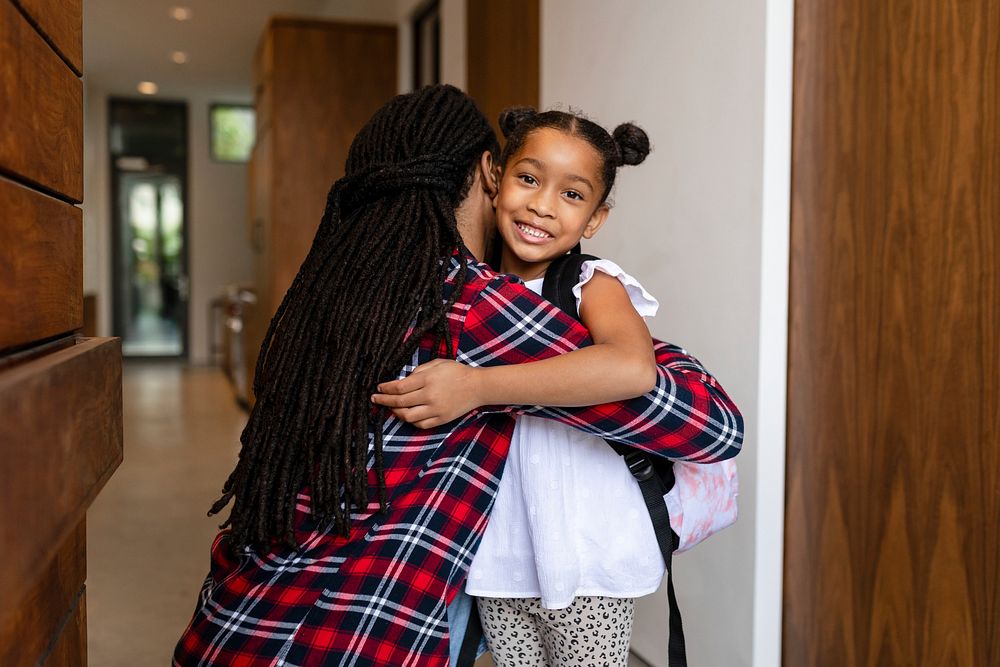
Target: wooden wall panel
[[317, 83], [61, 22], [61, 429], [41, 266], [60, 396], [324, 91], [41, 118], [70, 649], [892, 548], [29, 626], [503, 54]]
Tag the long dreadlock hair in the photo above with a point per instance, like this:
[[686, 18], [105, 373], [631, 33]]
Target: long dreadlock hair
[[376, 266]]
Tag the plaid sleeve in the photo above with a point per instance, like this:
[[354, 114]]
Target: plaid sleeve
[[687, 416]]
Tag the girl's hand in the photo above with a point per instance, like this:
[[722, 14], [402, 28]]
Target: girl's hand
[[435, 393]]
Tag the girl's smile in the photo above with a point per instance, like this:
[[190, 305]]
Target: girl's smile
[[550, 196], [532, 233]]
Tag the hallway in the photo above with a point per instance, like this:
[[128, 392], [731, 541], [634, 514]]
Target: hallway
[[148, 534]]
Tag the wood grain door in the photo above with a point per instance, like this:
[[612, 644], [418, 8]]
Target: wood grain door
[[892, 552], [503, 39], [60, 393]]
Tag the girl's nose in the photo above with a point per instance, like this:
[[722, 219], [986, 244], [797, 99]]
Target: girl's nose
[[540, 205]]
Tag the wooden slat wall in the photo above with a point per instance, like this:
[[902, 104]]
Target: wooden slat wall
[[503, 54], [41, 265], [60, 394], [58, 21], [32, 624], [60, 422], [893, 489], [41, 120]]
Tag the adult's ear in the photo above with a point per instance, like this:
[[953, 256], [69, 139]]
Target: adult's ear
[[488, 175]]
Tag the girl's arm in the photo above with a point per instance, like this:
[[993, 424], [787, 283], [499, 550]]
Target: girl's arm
[[619, 365]]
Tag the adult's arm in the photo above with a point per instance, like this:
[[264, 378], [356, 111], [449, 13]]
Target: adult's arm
[[686, 416]]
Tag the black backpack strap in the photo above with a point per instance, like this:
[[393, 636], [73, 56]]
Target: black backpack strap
[[473, 636], [560, 278], [676, 647], [653, 489]]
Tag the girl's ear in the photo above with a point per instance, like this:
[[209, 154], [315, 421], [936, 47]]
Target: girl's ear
[[596, 220], [497, 176]]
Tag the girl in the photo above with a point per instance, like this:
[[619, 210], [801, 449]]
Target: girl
[[569, 545]]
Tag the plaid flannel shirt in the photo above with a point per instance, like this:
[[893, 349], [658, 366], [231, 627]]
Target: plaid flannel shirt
[[379, 596]]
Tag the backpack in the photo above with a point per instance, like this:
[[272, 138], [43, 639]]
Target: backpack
[[687, 502]]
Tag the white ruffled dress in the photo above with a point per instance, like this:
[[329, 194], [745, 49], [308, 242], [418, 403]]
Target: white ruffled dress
[[569, 519]]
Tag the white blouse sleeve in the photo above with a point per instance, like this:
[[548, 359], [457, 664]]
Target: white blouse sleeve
[[645, 304]]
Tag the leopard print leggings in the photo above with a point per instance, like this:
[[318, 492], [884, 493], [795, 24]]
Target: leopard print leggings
[[591, 632]]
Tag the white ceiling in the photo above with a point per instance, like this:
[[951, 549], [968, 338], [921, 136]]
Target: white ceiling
[[128, 41]]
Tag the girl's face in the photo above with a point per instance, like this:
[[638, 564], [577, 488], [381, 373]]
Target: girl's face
[[549, 198]]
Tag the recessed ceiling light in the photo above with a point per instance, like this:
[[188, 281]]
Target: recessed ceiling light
[[180, 13], [148, 88], [179, 57]]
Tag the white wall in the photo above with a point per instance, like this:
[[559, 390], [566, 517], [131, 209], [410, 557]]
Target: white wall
[[219, 253], [689, 223], [96, 214]]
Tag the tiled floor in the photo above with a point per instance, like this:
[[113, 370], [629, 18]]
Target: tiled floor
[[148, 533], [148, 536]]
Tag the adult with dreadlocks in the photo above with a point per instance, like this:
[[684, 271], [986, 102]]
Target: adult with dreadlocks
[[351, 531]]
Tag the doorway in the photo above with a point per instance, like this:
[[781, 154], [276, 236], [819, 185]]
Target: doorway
[[148, 146]]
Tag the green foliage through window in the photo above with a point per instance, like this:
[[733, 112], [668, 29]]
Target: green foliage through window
[[232, 132]]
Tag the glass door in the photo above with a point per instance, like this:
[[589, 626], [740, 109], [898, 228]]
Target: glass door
[[148, 174], [152, 245]]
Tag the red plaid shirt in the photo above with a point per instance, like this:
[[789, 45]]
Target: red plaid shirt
[[378, 597]]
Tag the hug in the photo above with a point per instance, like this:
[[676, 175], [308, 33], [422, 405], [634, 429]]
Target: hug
[[429, 428]]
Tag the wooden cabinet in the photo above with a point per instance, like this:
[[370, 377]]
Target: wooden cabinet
[[513, 28], [60, 393], [316, 84]]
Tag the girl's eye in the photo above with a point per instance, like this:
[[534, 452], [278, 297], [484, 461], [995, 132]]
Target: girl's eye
[[528, 178], [573, 194]]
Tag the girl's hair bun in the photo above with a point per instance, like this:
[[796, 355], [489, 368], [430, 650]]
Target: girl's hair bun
[[632, 142], [512, 117]]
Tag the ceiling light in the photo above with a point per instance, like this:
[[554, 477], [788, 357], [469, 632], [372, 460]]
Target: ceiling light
[[180, 13], [179, 57], [148, 88]]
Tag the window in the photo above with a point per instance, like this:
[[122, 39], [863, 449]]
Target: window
[[232, 128]]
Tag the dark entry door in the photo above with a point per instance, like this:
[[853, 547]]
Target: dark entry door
[[149, 172]]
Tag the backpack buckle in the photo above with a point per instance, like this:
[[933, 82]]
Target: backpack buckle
[[639, 465]]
